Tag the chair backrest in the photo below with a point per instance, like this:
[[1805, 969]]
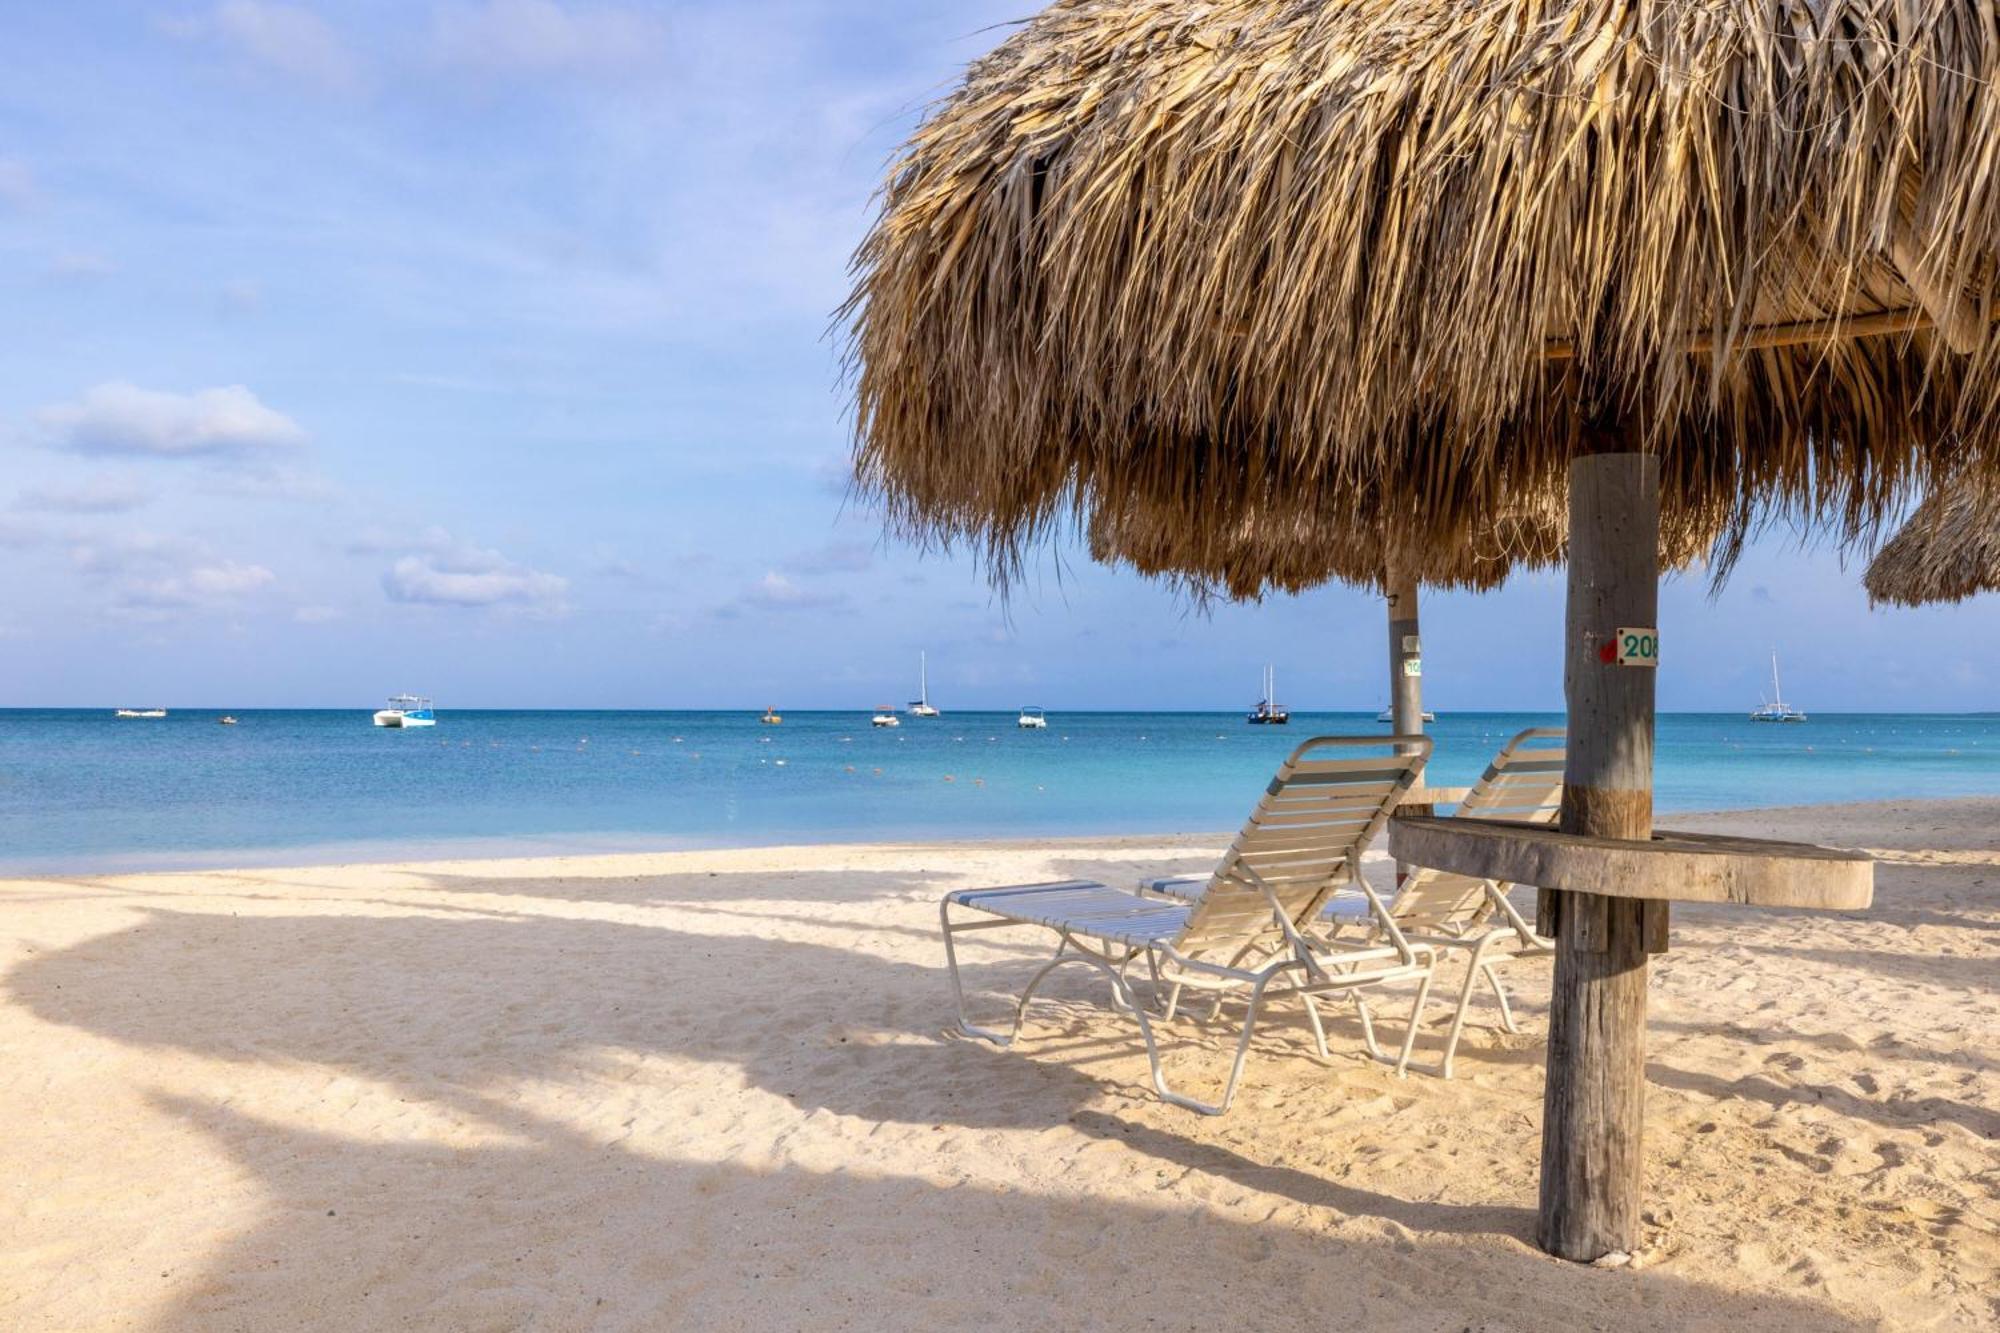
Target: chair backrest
[[1523, 785], [1327, 802]]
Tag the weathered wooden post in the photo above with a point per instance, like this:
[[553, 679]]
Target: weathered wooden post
[[1593, 1104], [1406, 665], [1406, 681]]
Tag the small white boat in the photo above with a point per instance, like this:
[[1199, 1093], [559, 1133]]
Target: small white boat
[[1032, 719], [406, 710], [921, 705], [885, 716], [1389, 715], [141, 712], [226, 720], [1777, 710]]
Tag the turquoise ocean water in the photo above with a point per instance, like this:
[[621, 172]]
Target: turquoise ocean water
[[81, 790]]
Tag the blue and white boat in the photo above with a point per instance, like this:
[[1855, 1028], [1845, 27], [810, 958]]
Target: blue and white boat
[[1777, 710], [406, 710]]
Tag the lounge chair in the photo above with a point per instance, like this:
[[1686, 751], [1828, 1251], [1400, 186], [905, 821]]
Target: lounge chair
[[1457, 912], [1302, 843]]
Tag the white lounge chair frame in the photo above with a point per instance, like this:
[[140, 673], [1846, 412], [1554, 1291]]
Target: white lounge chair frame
[[1451, 912], [1302, 843]]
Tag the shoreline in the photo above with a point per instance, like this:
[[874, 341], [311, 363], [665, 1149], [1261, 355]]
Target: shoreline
[[720, 1089], [555, 849]]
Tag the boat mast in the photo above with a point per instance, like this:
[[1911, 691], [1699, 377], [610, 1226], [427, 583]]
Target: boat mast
[[1777, 691], [923, 677]]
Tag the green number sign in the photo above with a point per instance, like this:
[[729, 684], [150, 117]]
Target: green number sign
[[1638, 647]]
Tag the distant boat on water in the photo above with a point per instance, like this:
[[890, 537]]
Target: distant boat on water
[[1032, 719], [226, 720], [1777, 710], [140, 712], [1269, 712], [771, 718], [885, 716], [407, 710], [921, 705], [1389, 715]]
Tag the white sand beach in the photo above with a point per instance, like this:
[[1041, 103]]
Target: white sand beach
[[720, 1090]]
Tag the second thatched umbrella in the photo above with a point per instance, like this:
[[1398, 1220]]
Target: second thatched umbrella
[[1259, 554], [1949, 550], [1379, 261]]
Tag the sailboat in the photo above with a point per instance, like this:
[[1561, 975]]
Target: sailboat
[[1269, 712], [921, 705], [1777, 710]]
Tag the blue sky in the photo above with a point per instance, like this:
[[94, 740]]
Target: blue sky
[[479, 348]]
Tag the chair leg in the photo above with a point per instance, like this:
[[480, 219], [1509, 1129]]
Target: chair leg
[[965, 1024], [1416, 1021], [1477, 966], [1319, 1032], [1367, 1025], [1500, 994]]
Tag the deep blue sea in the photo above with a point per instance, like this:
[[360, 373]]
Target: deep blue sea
[[81, 790]]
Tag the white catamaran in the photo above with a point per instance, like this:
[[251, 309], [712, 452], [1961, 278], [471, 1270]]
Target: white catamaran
[[921, 705], [407, 710], [1777, 710]]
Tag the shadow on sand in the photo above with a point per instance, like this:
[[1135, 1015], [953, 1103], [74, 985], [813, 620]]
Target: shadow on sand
[[545, 1224]]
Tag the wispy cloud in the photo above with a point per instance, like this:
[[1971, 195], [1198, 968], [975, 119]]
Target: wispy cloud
[[316, 615], [447, 572], [80, 266], [100, 494], [540, 37], [122, 418], [833, 558], [282, 39], [777, 594], [152, 577], [18, 190]]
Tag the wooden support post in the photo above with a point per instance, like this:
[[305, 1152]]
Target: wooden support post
[[1406, 690], [1593, 1105]]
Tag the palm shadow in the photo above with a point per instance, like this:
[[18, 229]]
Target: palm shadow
[[555, 1229]]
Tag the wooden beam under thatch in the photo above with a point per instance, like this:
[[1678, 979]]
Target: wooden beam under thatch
[[1949, 550]]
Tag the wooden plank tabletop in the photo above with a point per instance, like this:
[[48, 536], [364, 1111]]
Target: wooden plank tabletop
[[1673, 867]]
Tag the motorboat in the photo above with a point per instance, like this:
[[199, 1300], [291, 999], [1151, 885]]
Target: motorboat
[[141, 712], [771, 718], [921, 705], [1032, 719], [226, 720], [406, 710], [885, 716]]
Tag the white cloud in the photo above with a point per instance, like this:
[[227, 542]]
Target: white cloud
[[833, 558], [239, 296], [776, 593], [284, 39], [17, 534], [80, 266], [101, 494], [542, 37], [151, 577], [452, 573], [121, 418], [17, 185]]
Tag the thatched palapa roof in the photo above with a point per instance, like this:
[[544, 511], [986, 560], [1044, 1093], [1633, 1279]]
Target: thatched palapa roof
[[1356, 261], [1949, 550]]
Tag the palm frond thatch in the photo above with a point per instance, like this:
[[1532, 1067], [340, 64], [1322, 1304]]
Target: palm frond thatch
[[1949, 550], [1311, 260]]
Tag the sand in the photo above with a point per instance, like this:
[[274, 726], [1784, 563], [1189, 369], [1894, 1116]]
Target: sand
[[718, 1090]]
